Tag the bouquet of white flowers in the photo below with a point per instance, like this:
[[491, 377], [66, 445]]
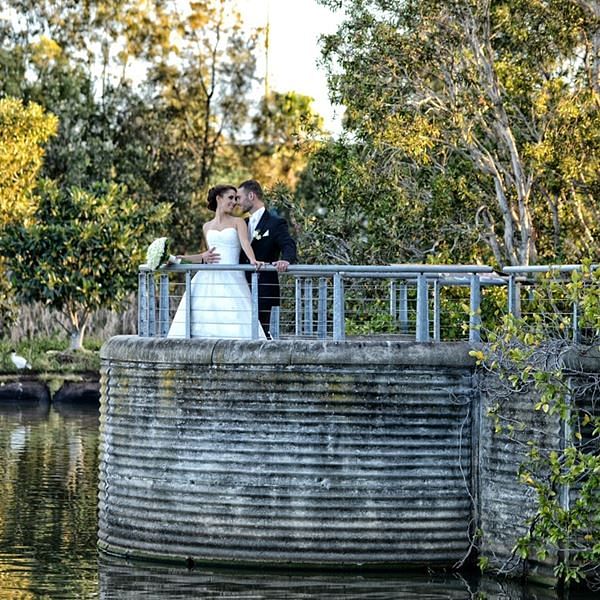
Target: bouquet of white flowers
[[158, 252]]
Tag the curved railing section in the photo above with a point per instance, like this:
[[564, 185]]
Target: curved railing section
[[335, 301], [419, 302]]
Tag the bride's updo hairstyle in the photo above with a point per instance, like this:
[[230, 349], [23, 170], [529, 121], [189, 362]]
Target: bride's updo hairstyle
[[218, 190]]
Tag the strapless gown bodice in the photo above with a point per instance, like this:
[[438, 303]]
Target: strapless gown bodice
[[226, 243], [221, 305]]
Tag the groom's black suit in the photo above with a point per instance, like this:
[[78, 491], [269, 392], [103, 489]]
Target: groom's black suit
[[271, 242]]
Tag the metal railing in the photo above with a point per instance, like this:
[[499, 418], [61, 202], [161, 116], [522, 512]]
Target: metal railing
[[334, 301], [557, 305], [341, 301]]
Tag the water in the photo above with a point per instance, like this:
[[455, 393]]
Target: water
[[48, 487]]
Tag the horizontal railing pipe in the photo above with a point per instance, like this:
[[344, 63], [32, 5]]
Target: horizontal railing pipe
[[334, 301]]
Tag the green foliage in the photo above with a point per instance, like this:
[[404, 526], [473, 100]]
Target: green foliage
[[487, 104], [286, 131], [23, 133], [353, 210], [162, 137], [49, 355], [80, 250], [371, 322], [536, 354]]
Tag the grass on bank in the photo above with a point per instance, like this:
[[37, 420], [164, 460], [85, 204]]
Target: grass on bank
[[51, 355]]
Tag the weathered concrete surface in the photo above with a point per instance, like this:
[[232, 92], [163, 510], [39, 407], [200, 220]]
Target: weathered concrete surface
[[504, 503], [289, 452], [311, 453]]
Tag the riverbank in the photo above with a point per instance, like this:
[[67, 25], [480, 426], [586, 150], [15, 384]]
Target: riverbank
[[56, 374], [50, 387]]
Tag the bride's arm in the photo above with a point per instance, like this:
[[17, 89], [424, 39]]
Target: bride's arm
[[210, 256], [242, 231], [207, 257]]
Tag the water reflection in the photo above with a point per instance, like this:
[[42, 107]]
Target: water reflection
[[48, 491], [48, 523], [119, 579]]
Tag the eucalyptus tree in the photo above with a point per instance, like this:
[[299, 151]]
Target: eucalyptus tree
[[507, 88], [202, 76], [198, 84]]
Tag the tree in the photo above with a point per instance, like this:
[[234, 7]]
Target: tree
[[163, 138], [24, 130], [353, 208], [286, 132], [79, 251], [428, 82]]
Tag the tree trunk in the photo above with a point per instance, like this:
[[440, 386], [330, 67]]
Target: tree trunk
[[78, 322], [76, 342]]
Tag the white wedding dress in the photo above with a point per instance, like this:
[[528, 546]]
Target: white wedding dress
[[221, 305]]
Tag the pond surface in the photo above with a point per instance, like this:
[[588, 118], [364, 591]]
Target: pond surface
[[48, 495]]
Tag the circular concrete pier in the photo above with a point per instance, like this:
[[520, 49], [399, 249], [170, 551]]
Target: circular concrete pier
[[295, 453]]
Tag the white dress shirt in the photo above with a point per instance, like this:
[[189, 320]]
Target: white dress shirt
[[253, 221]]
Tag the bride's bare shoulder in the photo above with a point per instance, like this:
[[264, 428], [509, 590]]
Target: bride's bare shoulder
[[238, 221]]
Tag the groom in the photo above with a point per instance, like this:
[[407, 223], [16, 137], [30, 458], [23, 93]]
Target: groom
[[271, 242]]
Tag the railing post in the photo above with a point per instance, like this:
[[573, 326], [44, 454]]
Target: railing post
[[308, 306], [393, 300], [339, 330], [513, 295], [298, 306], [188, 305], [475, 310], [274, 322], [151, 306], [255, 321], [143, 304], [322, 309], [422, 334], [163, 305], [437, 334], [403, 313]]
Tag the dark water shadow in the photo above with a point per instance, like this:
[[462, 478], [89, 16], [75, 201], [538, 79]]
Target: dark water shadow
[[121, 579], [86, 414], [124, 579], [25, 412]]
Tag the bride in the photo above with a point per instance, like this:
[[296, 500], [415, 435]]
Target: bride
[[221, 305]]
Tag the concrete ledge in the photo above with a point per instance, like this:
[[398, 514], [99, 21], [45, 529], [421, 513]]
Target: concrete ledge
[[134, 349]]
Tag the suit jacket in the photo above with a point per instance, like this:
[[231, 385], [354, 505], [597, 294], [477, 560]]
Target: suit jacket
[[272, 241]]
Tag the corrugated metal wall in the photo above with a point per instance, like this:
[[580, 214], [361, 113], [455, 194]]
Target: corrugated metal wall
[[299, 452]]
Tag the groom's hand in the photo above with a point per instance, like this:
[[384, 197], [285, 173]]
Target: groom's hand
[[210, 256], [281, 265]]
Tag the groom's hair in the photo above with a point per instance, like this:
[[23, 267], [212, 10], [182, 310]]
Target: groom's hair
[[218, 190], [251, 185]]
